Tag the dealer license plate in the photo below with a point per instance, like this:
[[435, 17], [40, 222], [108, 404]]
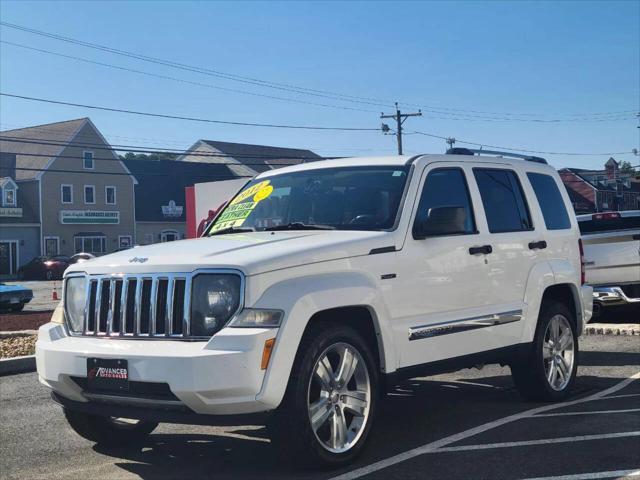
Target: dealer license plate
[[107, 374]]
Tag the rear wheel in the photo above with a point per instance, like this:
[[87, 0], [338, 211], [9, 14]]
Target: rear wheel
[[327, 412], [109, 431], [548, 372]]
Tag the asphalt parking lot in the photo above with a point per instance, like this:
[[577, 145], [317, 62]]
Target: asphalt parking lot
[[469, 424]]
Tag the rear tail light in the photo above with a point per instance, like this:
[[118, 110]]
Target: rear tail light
[[583, 276], [605, 216]]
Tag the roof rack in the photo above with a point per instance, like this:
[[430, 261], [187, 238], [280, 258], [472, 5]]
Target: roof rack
[[470, 151]]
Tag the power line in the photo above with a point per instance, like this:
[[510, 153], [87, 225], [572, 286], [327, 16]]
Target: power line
[[308, 91], [181, 80], [151, 174], [132, 148], [173, 175], [112, 159], [191, 119], [521, 149], [151, 150]]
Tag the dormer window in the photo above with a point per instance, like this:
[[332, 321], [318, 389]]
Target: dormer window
[[9, 192], [87, 159], [10, 197]]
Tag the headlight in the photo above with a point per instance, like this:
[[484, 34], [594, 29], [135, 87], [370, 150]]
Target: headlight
[[214, 300], [257, 318], [75, 293]]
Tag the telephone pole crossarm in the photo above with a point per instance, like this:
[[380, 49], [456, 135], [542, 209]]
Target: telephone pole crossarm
[[400, 118]]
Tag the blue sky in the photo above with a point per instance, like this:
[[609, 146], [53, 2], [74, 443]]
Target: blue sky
[[550, 59]]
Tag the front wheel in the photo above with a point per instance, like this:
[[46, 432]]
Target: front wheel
[[17, 307], [549, 370], [109, 431], [328, 409]]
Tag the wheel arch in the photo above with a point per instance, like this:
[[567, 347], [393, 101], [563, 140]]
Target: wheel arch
[[544, 283], [349, 297]]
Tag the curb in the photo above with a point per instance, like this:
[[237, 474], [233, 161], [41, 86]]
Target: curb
[[11, 366], [18, 333]]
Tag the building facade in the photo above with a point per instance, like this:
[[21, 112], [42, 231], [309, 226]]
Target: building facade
[[19, 218], [85, 193], [601, 190], [160, 195]]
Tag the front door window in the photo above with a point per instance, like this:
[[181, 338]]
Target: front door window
[[8, 258], [51, 246]]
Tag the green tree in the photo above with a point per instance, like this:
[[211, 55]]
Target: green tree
[[625, 167]]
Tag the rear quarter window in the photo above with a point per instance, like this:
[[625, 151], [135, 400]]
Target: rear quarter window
[[550, 201]]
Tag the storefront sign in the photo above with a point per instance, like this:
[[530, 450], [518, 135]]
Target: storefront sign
[[171, 210], [10, 212], [89, 217]]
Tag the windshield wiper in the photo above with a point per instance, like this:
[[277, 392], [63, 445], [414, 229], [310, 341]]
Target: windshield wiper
[[233, 230], [299, 226]]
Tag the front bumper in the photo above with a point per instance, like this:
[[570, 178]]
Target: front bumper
[[221, 376]]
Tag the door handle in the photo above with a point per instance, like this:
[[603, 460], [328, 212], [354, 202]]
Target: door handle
[[484, 249], [537, 245]]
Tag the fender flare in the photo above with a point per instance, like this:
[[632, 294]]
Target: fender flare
[[542, 276], [313, 294]]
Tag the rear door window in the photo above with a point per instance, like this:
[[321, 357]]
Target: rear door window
[[503, 200], [550, 201]]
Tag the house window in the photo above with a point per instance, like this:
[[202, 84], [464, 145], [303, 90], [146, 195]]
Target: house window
[[94, 244], [66, 193], [87, 159], [110, 195], [9, 199], [89, 194]]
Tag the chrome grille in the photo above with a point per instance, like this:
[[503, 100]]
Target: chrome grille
[[141, 305]]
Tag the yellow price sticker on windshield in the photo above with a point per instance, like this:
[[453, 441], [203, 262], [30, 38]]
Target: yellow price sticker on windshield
[[242, 196], [263, 193]]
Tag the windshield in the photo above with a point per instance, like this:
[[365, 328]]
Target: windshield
[[346, 198]]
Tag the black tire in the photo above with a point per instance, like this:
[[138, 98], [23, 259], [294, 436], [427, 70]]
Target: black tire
[[529, 373], [18, 307], [107, 431], [290, 426]]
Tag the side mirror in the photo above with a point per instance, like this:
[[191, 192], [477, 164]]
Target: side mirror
[[442, 221]]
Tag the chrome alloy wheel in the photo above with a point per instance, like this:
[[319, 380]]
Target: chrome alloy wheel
[[339, 397], [558, 352]]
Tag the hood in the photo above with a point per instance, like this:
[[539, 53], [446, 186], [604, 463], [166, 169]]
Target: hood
[[252, 253]]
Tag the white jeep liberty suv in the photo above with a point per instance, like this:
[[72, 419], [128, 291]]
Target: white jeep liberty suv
[[316, 287]]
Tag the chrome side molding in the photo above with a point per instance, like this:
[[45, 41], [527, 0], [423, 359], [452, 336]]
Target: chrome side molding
[[463, 325]]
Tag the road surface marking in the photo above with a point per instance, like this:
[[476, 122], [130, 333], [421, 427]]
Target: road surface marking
[[543, 441], [595, 412], [593, 475], [621, 396], [458, 437]]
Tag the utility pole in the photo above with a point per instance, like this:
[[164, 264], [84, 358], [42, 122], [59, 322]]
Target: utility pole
[[400, 119]]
